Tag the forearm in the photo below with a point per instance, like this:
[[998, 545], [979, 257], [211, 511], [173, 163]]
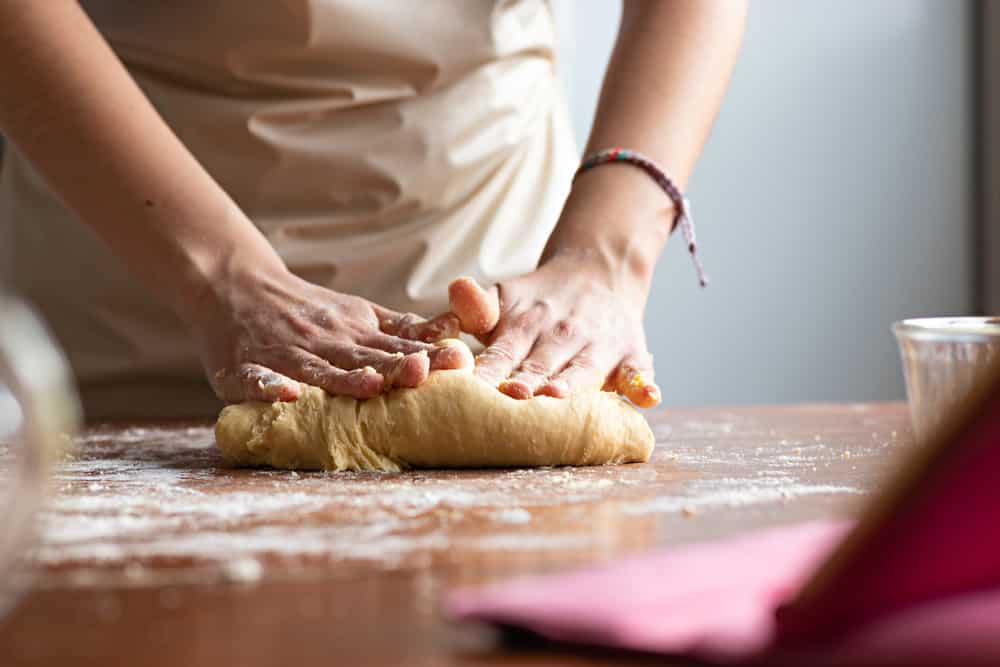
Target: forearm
[[71, 107], [662, 90]]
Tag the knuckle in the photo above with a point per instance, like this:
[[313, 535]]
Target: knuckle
[[566, 329], [523, 320], [538, 313], [322, 319], [248, 374], [533, 367], [408, 324], [498, 352], [543, 308], [312, 370], [267, 350]]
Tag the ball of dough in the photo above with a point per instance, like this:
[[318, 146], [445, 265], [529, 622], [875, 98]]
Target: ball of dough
[[453, 420]]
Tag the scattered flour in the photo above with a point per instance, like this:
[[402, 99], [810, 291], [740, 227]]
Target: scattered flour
[[153, 496], [242, 570], [702, 494], [512, 515]]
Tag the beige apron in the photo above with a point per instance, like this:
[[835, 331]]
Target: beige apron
[[383, 147]]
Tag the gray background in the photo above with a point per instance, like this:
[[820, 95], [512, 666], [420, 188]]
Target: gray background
[[834, 197]]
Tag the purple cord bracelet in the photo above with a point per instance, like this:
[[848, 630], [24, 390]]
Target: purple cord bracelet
[[681, 202]]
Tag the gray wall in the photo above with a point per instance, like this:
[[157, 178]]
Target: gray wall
[[835, 196], [989, 80]]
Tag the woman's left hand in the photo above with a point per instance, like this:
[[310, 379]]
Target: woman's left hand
[[564, 327]]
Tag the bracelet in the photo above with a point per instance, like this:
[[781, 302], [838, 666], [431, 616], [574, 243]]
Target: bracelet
[[681, 203]]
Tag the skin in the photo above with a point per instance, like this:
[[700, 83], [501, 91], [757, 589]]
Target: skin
[[572, 323], [577, 320]]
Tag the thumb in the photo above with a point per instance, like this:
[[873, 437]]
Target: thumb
[[414, 327], [252, 382], [478, 310]]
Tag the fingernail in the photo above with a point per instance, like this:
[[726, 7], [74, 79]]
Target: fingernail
[[271, 382], [405, 374], [554, 388], [453, 353], [278, 388], [515, 389], [646, 396]]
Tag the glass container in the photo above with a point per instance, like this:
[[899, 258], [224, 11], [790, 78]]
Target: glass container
[[942, 358]]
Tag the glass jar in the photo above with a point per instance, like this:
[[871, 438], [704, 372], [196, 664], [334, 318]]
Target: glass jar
[[942, 360], [39, 414]]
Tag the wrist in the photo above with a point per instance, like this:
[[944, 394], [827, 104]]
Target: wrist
[[617, 221], [215, 280], [625, 187]]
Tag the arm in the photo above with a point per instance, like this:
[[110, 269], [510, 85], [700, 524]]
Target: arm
[[74, 111], [662, 91], [71, 107], [663, 87]]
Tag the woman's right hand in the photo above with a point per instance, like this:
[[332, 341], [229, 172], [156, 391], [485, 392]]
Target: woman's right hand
[[261, 334]]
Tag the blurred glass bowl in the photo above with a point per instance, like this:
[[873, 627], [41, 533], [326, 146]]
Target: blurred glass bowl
[[942, 357], [39, 414]]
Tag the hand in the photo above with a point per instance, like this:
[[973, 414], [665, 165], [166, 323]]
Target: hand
[[262, 334], [559, 329]]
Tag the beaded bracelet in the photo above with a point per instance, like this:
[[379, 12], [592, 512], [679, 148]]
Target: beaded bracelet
[[681, 202]]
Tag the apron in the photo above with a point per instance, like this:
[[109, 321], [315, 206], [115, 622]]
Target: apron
[[383, 148]]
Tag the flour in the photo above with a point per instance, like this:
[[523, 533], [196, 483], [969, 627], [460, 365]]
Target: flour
[[149, 499], [519, 542], [701, 494], [118, 503], [243, 570], [512, 515]]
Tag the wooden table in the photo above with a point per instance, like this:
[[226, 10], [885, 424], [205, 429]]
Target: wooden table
[[152, 553]]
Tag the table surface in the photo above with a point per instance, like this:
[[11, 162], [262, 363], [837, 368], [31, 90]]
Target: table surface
[[153, 552]]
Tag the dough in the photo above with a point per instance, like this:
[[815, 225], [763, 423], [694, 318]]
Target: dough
[[453, 420]]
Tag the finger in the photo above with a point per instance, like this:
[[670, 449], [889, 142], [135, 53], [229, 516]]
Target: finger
[[307, 367], [545, 360], [444, 354], [444, 326], [505, 354], [413, 327], [583, 372], [478, 310], [633, 379], [452, 353], [251, 382], [399, 369]]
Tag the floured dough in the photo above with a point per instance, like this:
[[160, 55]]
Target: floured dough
[[453, 420]]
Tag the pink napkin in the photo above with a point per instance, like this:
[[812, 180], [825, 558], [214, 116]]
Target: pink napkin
[[715, 600]]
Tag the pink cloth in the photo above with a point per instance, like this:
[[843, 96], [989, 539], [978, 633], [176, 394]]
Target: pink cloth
[[714, 600]]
